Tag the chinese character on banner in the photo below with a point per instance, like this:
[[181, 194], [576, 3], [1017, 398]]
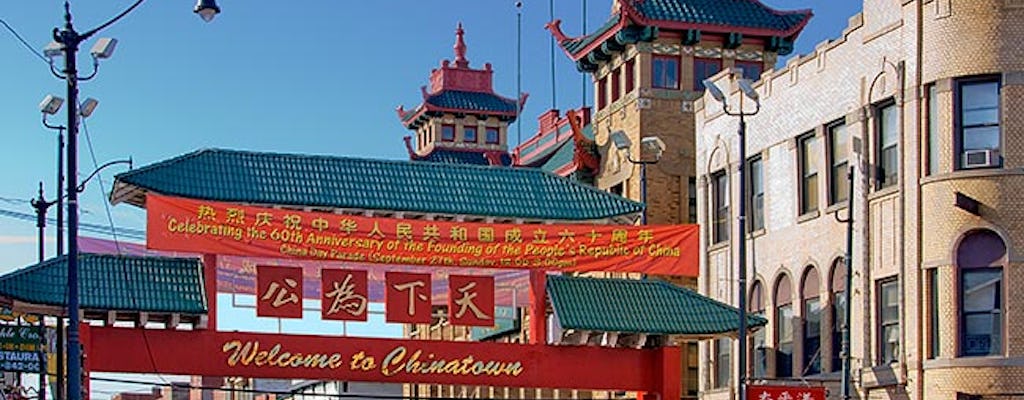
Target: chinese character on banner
[[343, 295], [407, 298], [762, 392], [278, 291], [471, 300]]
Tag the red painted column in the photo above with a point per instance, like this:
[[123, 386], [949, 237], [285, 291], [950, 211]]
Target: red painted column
[[85, 338], [210, 283], [538, 307], [670, 374]]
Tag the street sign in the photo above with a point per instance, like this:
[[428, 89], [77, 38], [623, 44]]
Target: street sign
[[21, 348]]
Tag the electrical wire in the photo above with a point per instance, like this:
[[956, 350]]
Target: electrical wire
[[131, 233], [22, 40]]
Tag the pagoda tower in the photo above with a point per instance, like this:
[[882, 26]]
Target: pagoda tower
[[461, 119]]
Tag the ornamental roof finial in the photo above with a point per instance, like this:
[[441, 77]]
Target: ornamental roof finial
[[460, 48]]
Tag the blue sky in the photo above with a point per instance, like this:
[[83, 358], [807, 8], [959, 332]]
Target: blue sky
[[321, 77]]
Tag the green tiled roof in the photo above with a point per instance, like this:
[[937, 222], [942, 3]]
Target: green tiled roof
[[574, 45], [639, 306], [731, 13], [472, 101], [353, 183], [113, 282]]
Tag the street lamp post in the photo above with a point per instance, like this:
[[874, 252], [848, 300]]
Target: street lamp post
[[749, 92], [68, 40], [649, 145]]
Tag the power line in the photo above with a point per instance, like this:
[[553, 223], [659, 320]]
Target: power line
[[22, 40], [91, 228]]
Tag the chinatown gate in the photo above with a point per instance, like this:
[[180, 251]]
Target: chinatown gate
[[415, 236]]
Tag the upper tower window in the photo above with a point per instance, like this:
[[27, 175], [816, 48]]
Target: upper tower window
[[448, 133], [469, 134], [665, 72], [703, 68], [492, 135], [751, 69]]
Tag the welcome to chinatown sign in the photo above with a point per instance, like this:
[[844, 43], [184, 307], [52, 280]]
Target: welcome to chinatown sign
[[199, 226]]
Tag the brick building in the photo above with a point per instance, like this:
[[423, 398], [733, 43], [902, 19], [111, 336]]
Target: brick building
[[923, 99]]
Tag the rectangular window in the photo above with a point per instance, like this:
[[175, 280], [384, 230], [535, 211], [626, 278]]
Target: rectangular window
[[838, 319], [978, 120], [784, 333], [933, 131], [692, 184], [812, 337], [751, 69], [665, 72], [933, 312], [723, 364], [808, 164], [469, 134], [888, 137], [888, 322], [448, 133], [981, 317], [630, 81], [492, 136], [704, 68], [839, 160], [756, 193], [720, 194], [760, 349], [692, 371], [602, 93], [616, 84]]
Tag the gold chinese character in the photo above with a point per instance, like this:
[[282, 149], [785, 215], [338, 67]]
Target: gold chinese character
[[348, 225], [431, 233], [206, 212], [619, 236], [566, 234], [645, 235], [485, 234], [280, 294], [236, 216], [411, 287], [466, 302], [514, 235], [292, 221], [403, 230], [320, 224], [262, 219], [376, 232], [540, 236], [458, 233], [345, 298], [593, 235]]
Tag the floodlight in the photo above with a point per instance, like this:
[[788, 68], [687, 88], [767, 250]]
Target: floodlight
[[104, 48], [87, 107], [207, 9], [53, 49], [652, 145], [714, 90], [748, 89], [620, 140], [51, 104]]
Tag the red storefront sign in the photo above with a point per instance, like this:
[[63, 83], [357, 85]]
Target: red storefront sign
[[199, 226], [763, 392], [278, 291], [343, 295], [471, 300], [407, 298]]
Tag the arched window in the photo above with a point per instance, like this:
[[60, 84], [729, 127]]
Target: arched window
[[811, 322], [783, 328], [980, 259], [838, 311], [759, 347]]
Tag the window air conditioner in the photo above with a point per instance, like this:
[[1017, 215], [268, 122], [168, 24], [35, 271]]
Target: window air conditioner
[[981, 158]]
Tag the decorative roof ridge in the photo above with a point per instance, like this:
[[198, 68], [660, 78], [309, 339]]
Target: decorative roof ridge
[[636, 16], [555, 27]]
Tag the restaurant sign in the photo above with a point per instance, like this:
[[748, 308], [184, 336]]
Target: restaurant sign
[[767, 392], [200, 226], [21, 348]]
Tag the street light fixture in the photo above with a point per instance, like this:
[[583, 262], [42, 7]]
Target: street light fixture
[[748, 91], [651, 146], [66, 43]]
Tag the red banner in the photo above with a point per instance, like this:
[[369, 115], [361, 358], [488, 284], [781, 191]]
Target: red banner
[[344, 295], [278, 291], [471, 300], [763, 392], [211, 353], [407, 298], [177, 224]]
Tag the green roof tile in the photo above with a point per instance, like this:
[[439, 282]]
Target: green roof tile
[[732, 13], [639, 306], [114, 282], [472, 101], [341, 182]]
